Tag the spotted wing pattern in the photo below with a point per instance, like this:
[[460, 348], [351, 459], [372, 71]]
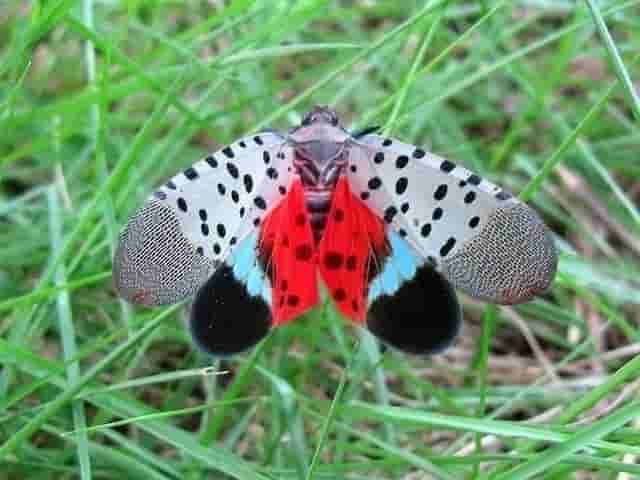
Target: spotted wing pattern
[[287, 253], [175, 242], [352, 251], [483, 240]]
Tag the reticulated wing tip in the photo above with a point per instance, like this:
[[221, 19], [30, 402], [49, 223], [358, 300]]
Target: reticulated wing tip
[[155, 264], [510, 261]]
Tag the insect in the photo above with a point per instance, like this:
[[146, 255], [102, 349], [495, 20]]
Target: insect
[[389, 229]]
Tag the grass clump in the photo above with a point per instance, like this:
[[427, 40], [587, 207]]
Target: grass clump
[[100, 101]]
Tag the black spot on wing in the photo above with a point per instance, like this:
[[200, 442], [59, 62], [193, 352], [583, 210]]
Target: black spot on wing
[[225, 319], [228, 152], [213, 163], [422, 317], [374, 183], [447, 166], [233, 170], [474, 179], [191, 173]]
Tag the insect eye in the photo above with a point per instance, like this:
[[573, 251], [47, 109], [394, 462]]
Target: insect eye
[[334, 120], [306, 120]]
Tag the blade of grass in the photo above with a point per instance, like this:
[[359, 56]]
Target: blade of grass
[[74, 388], [536, 182], [579, 440], [68, 335], [615, 59]]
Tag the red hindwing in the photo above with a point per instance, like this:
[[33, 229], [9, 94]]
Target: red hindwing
[[350, 251], [287, 251]]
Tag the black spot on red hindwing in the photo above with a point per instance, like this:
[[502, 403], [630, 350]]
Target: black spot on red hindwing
[[351, 263], [293, 300], [338, 215], [339, 295], [300, 219], [333, 260], [304, 252]]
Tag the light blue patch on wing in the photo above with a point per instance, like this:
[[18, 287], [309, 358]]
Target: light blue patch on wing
[[390, 278], [243, 258], [247, 270], [399, 267], [403, 257], [375, 288]]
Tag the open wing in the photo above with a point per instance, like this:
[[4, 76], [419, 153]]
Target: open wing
[[483, 240], [175, 242]]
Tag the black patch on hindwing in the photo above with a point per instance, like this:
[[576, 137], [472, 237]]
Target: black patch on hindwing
[[422, 317], [225, 319]]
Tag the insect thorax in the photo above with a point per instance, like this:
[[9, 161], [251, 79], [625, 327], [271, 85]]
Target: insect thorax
[[319, 164]]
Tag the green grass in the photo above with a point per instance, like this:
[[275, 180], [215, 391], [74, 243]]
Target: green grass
[[100, 101]]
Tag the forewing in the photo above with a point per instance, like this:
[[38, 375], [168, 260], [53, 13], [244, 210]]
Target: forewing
[[483, 240], [175, 242]]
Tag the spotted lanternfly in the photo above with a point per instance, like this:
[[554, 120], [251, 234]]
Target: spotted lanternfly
[[391, 229]]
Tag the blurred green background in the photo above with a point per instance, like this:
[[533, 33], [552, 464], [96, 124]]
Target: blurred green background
[[102, 100]]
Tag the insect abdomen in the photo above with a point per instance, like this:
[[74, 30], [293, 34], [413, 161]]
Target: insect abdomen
[[318, 204]]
